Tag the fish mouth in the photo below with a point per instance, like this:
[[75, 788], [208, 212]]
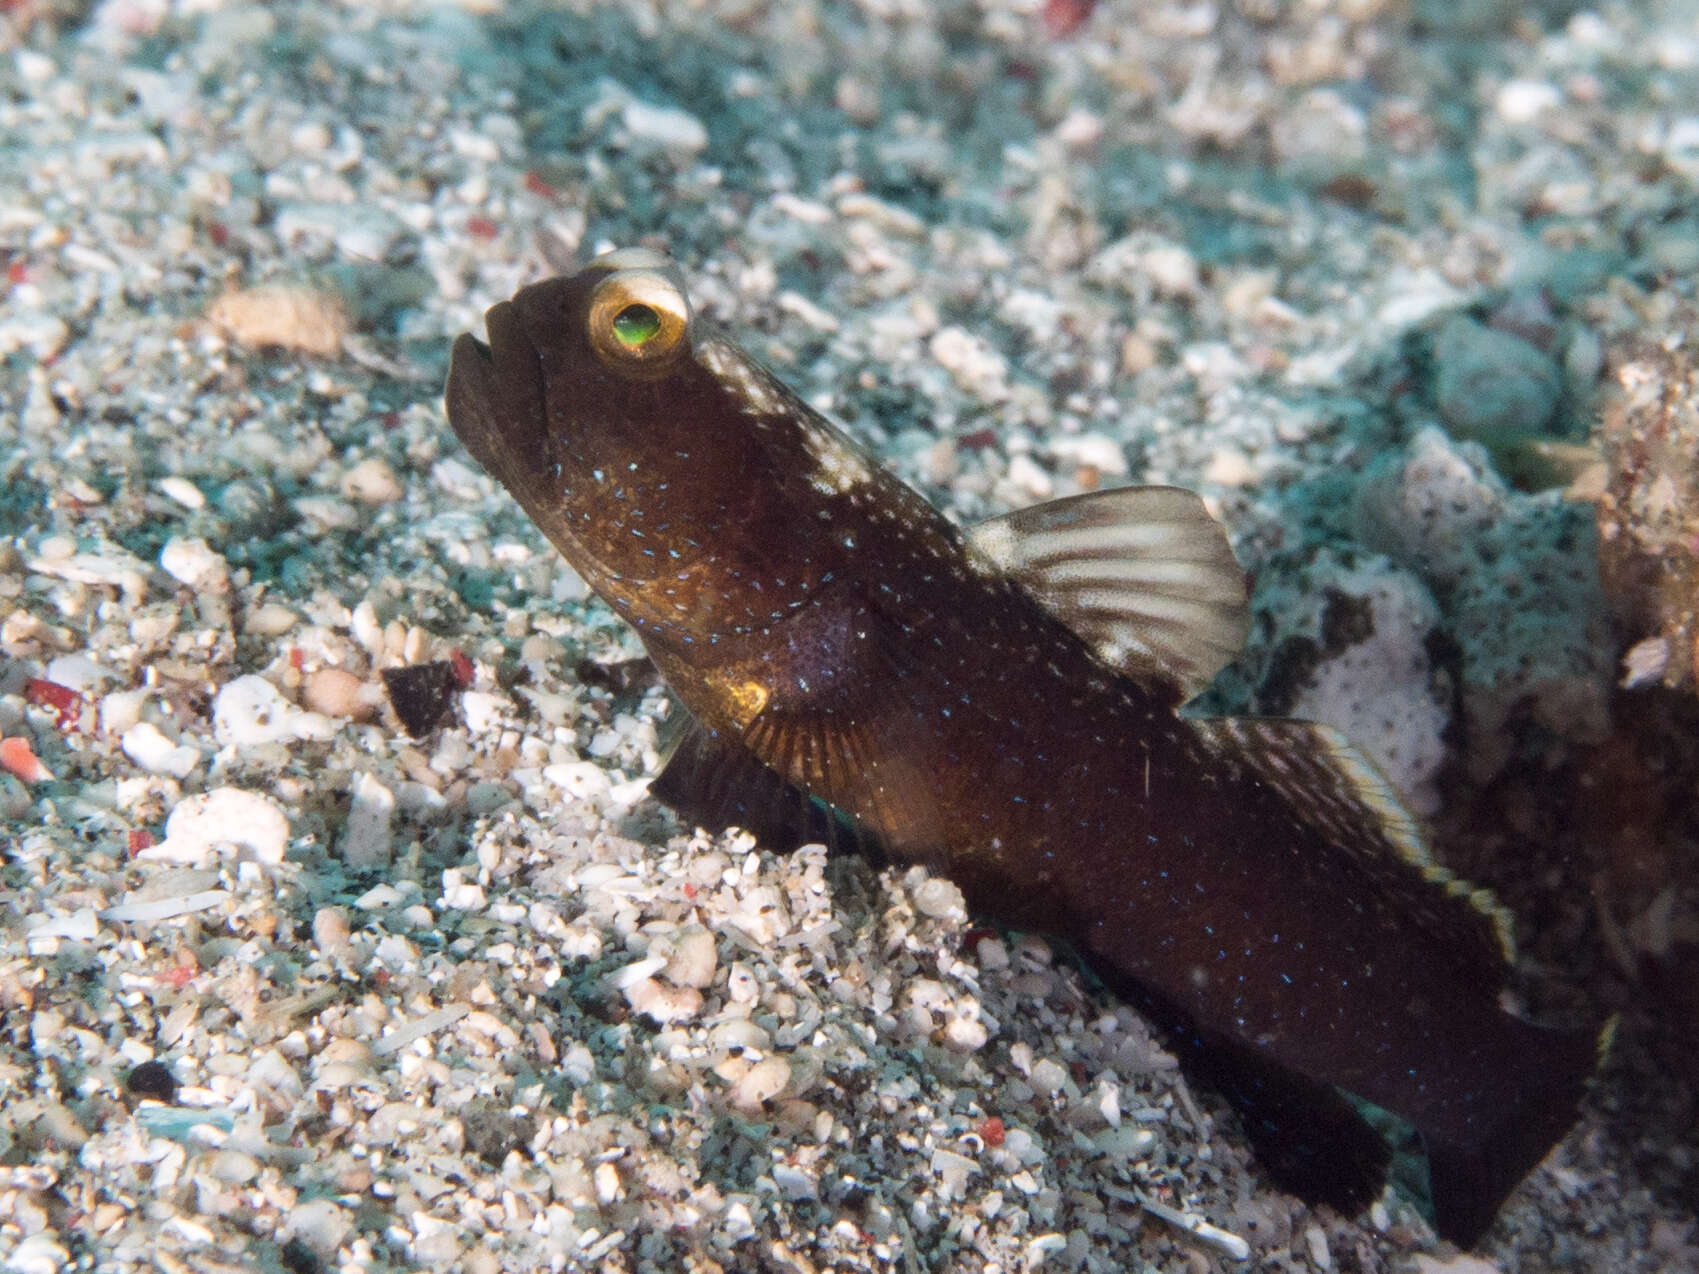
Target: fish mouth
[[496, 403]]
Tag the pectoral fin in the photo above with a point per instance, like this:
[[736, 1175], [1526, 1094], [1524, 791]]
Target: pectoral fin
[[715, 782]]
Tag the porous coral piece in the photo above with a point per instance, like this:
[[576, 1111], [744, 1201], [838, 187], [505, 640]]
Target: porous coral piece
[[1516, 580], [1649, 512], [1349, 646], [284, 315]]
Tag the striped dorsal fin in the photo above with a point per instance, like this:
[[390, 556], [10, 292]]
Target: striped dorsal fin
[[1143, 575]]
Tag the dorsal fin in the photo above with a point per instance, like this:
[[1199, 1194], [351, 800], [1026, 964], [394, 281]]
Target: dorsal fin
[[1142, 574], [1340, 792]]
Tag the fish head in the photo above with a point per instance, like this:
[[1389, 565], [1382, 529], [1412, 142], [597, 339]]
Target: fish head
[[695, 492]]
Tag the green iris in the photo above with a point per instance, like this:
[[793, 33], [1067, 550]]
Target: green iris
[[636, 325]]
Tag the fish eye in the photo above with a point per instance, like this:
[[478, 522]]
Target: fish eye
[[636, 324], [638, 321]]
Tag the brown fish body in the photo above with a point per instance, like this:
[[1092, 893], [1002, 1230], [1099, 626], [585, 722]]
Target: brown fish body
[[1000, 705]]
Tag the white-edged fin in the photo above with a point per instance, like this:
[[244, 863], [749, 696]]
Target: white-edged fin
[[1143, 574], [1340, 792]]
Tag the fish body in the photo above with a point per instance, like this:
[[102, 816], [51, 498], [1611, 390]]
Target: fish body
[[1000, 704]]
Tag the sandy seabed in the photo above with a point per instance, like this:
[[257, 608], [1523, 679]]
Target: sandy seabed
[[285, 988]]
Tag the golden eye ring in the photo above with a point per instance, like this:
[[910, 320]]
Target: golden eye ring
[[639, 320]]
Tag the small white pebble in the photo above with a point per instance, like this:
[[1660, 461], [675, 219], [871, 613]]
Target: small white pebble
[[1042, 1246], [1098, 451], [325, 515], [79, 673], [664, 127], [372, 482], [1048, 1076], [607, 1184], [270, 620], [121, 709], [966, 1034], [322, 1224], [1079, 128], [144, 744], [1026, 474], [1109, 1104], [38, 1254], [742, 986], [939, 898], [1520, 101], [183, 491], [459, 480], [665, 1004], [1223, 1241], [762, 915], [224, 819], [366, 836], [1315, 1243], [760, 1084], [250, 710], [460, 894], [694, 958], [584, 780], [1020, 1054], [1229, 467], [342, 1063], [287, 315], [331, 933], [1172, 268], [953, 1170], [483, 711], [1461, 1263], [366, 628], [233, 1167], [977, 367], [635, 972], [738, 1035], [736, 1223], [1645, 662], [794, 1183]]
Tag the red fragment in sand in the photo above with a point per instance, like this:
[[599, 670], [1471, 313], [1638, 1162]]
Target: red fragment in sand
[[1063, 17], [462, 668], [66, 703], [16, 271], [537, 186], [297, 658], [978, 440], [180, 975], [19, 759], [138, 840], [991, 1131], [482, 228]]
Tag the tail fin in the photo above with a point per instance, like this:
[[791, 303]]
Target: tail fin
[[1472, 1170]]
